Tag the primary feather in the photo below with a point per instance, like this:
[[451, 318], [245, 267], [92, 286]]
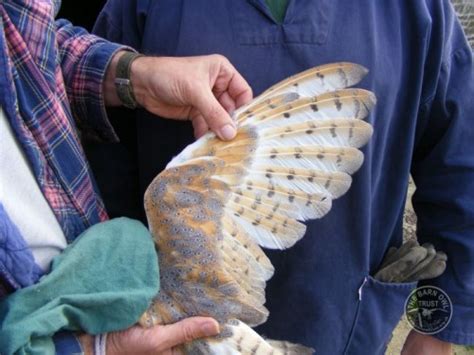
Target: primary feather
[[217, 203]]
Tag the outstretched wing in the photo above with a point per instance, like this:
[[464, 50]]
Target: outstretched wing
[[218, 202]]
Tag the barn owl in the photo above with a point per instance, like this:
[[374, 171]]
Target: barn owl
[[217, 203]]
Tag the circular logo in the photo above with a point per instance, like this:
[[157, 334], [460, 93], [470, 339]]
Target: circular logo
[[428, 309]]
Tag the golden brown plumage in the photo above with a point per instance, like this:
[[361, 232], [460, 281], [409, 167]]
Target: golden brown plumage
[[218, 202]]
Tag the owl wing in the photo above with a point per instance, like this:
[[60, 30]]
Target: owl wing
[[217, 203]]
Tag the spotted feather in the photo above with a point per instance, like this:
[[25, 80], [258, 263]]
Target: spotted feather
[[218, 203]]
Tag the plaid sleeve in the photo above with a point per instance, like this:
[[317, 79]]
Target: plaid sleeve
[[84, 59]]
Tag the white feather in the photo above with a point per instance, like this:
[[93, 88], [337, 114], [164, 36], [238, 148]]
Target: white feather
[[345, 159]]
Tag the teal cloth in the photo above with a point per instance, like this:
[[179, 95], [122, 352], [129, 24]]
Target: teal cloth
[[278, 9], [102, 282]]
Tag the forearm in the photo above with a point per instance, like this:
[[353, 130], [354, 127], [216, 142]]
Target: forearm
[[84, 60], [417, 343]]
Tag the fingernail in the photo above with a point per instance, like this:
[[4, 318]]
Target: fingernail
[[227, 132], [210, 328]]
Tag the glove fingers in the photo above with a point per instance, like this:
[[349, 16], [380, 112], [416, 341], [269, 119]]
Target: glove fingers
[[397, 254], [434, 269], [396, 271], [441, 255], [388, 257], [407, 247], [431, 254]]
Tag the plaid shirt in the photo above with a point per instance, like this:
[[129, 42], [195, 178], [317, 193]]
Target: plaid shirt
[[51, 73]]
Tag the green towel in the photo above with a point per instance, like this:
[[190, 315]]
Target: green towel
[[102, 282], [278, 9]]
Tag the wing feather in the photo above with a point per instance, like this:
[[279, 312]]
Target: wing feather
[[346, 103], [218, 202], [344, 159], [310, 83]]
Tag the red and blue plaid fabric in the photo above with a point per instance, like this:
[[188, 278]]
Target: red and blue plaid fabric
[[50, 74]]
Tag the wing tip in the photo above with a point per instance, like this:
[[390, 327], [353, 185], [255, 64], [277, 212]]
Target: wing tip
[[356, 72]]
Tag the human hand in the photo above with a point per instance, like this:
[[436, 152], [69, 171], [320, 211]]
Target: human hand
[[160, 339], [419, 344], [202, 89]]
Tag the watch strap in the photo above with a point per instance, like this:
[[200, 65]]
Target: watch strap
[[122, 81]]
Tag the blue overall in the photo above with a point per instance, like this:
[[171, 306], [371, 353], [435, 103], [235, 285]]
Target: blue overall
[[322, 294]]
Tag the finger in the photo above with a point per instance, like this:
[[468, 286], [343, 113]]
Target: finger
[[200, 126], [227, 102], [434, 269], [441, 255], [397, 270], [237, 87], [431, 253], [403, 250], [407, 247], [216, 117], [185, 331], [239, 90], [386, 260]]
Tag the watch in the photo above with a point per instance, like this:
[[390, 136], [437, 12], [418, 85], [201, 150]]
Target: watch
[[122, 81]]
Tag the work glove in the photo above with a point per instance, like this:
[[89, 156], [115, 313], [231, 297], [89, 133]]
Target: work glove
[[411, 262]]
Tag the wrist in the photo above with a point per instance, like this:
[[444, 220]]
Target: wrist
[[111, 346], [121, 80], [87, 343], [140, 72]]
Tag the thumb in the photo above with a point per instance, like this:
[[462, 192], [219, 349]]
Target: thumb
[[187, 330], [215, 115]]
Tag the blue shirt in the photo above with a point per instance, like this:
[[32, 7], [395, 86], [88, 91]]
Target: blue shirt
[[421, 71]]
